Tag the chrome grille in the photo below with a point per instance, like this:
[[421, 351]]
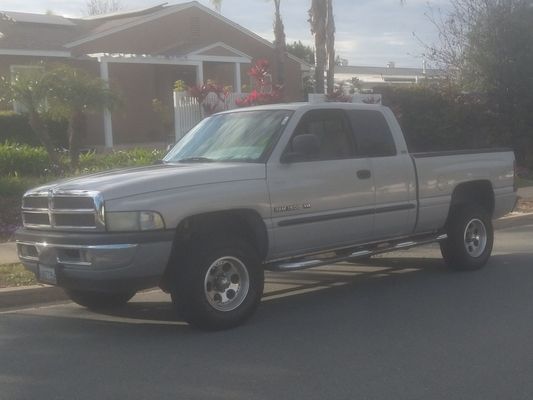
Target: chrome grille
[[63, 210]]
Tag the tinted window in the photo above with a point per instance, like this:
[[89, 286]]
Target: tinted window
[[372, 133], [332, 130]]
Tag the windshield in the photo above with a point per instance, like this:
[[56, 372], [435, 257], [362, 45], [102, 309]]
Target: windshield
[[245, 136]]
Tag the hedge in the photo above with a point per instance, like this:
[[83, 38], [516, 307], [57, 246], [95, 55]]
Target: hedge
[[21, 160], [434, 119], [15, 128]]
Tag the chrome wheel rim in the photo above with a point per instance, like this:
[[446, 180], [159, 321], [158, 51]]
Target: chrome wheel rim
[[475, 238], [226, 284]]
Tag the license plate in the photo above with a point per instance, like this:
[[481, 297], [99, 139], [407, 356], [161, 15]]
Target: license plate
[[47, 275]]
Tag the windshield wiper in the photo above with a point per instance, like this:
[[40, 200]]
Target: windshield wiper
[[196, 159]]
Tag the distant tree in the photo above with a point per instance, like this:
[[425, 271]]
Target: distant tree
[[98, 7], [30, 89], [302, 51], [74, 94], [486, 46], [279, 43], [317, 19]]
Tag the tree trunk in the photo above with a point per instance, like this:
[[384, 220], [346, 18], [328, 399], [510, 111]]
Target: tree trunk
[[318, 15], [76, 127], [330, 46], [280, 44], [39, 128]]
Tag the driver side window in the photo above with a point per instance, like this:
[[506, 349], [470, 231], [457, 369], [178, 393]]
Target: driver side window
[[333, 133]]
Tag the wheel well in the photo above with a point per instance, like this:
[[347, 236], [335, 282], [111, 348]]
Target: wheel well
[[475, 192], [246, 224]]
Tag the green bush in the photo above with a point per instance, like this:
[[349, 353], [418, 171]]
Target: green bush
[[93, 162], [20, 160], [16, 128], [23, 160], [435, 119], [15, 186]]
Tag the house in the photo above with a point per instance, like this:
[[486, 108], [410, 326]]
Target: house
[[141, 54], [372, 77]]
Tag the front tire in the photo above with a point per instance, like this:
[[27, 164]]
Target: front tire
[[99, 300], [470, 239], [219, 284]]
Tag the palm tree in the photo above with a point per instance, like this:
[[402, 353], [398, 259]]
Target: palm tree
[[317, 18], [30, 89], [74, 94], [330, 47]]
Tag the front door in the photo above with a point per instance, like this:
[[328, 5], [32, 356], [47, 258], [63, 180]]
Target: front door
[[326, 202]]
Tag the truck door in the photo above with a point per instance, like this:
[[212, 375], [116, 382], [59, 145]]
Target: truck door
[[393, 173], [325, 202]]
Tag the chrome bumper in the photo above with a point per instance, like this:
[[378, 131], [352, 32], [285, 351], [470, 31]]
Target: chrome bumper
[[97, 266], [77, 256]]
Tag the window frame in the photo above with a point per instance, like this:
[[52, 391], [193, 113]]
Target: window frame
[[346, 125], [14, 70], [358, 141]]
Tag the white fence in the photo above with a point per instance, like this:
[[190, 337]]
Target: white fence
[[188, 112]]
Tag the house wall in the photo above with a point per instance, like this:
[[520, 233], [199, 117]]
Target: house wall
[[94, 134], [137, 120], [192, 28]]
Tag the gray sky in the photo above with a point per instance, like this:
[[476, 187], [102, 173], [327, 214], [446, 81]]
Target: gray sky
[[369, 32]]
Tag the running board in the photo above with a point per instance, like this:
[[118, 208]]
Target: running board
[[310, 263]]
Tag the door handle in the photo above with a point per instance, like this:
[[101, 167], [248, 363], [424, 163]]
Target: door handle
[[364, 174]]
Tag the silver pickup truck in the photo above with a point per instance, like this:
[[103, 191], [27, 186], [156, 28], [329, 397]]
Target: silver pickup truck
[[280, 187]]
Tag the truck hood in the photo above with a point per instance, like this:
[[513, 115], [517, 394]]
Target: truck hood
[[119, 183]]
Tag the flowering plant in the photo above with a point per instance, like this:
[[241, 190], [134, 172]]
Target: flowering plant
[[265, 92], [201, 93]]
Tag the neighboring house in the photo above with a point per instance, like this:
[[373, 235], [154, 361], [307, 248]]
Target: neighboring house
[[371, 77], [141, 53]]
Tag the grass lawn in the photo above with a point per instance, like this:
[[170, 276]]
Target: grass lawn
[[523, 182], [12, 275]]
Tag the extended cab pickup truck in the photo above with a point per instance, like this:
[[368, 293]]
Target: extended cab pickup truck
[[279, 187]]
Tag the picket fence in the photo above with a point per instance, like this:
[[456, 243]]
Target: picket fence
[[188, 112]]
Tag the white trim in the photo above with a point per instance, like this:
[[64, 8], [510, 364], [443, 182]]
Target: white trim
[[225, 59], [108, 122], [142, 59], [177, 8], [238, 84], [223, 45], [36, 53], [200, 74]]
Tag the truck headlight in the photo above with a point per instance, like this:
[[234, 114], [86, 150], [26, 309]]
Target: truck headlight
[[134, 221]]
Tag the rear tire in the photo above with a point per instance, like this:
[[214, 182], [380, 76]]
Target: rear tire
[[99, 300], [470, 238], [219, 284]]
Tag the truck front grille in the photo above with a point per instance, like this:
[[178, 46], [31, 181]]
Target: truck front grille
[[63, 210]]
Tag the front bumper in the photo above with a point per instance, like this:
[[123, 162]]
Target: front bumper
[[106, 262]]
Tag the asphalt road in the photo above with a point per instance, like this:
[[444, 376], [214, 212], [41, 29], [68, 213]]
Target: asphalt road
[[398, 327]]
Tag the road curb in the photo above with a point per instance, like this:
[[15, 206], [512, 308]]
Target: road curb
[[41, 294], [513, 220], [30, 295]]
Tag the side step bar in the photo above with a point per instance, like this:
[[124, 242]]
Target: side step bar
[[310, 263]]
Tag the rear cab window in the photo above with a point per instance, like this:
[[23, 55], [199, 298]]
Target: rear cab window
[[372, 133]]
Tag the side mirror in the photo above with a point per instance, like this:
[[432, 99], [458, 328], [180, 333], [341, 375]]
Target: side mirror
[[304, 147]]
